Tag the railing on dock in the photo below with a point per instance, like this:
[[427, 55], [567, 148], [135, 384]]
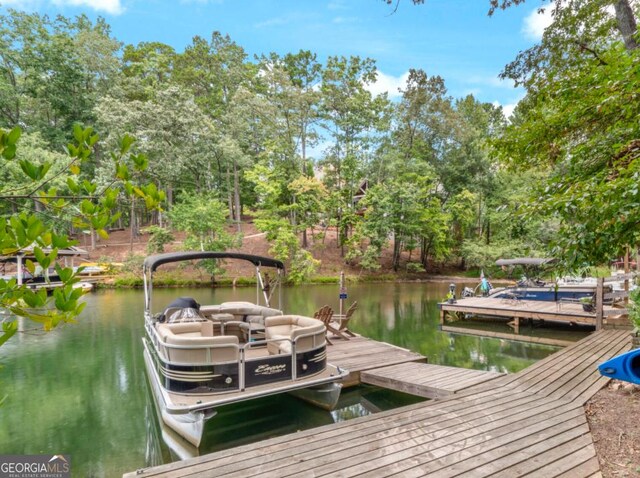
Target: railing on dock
[[603, 297]]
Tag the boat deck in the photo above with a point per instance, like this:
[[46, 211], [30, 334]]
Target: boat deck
[[529, 423], [427, 380], [526, 309]]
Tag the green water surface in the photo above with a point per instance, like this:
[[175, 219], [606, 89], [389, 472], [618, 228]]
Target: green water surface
[[82, 389]]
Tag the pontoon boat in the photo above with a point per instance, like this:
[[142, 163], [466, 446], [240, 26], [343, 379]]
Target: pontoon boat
[[200, 357]]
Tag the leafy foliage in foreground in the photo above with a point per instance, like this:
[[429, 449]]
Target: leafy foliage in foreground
[[580, 124], [26, 233]]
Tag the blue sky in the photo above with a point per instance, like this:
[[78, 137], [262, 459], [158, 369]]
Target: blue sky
[[451, 38]]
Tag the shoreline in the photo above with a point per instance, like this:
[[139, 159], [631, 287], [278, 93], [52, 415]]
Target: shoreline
[[130, 282]]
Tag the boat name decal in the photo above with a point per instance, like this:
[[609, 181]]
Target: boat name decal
[[266, 369]]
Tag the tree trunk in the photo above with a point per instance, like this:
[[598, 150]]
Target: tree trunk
[[236, 195], [488, 230], [132, 223], [303, 141], [626, 23], [396, 252], [229, 194]]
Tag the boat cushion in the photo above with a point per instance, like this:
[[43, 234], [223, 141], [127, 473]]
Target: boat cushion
[[179, 328], [205, 349], [307, 333], [240, 310]]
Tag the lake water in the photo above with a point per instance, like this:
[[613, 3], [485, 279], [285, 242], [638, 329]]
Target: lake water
[[82, 389]]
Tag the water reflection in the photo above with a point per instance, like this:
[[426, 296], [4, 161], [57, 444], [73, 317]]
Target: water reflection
[[82, 389]]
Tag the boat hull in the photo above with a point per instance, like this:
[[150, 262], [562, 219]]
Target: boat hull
[[189, 420], [550, 294], [324, 396], [189, 425]]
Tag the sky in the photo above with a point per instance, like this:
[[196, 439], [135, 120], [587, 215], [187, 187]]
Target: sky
[[455, 39]]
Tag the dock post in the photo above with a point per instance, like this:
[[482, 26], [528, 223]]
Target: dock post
[[599, 303], [441, 316], [515, 325]]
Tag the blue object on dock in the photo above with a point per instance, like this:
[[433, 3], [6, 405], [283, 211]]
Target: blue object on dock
[[623, 367]]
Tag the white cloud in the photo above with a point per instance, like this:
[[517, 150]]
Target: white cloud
[[202, 2], [113, 7], [388, 84], [344, 20], [337, 5], [535, 23], [21, 4], [507, 108], [493, 81]]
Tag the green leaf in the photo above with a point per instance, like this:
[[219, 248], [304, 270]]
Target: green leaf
[[9, 329], [73, 186], [31, 267], [89, 186], [78, 133], [102, 233], [39, 255], [9, 151], [34, 230], [29, 169], [14, 135], [125, 143]]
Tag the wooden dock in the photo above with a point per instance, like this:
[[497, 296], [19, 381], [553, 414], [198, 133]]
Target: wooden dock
[[529, 423], [518, 309], [427, 380], [361, 354]]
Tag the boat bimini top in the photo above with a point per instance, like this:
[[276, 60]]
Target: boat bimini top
[[526, 261], [265, 286]]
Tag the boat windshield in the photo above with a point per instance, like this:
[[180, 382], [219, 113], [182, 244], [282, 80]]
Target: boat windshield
[[186, 314]]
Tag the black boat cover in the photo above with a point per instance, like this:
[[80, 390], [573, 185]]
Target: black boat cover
[[151, 263]]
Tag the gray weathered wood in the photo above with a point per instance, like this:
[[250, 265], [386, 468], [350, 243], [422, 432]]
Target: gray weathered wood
[[530, 423]]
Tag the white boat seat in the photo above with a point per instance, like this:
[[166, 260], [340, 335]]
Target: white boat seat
[[203, 328], [306, 332], [206, 348], [241, 311]]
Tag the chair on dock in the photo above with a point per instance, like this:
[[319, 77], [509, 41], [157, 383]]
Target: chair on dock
[[325, 313], [343, 321]]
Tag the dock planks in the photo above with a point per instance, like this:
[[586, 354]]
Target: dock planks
[[531, 423], [526, 309], [427, 380], [360, 354]]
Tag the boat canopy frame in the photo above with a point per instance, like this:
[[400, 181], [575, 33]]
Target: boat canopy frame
[[265, 287], [525, 261]]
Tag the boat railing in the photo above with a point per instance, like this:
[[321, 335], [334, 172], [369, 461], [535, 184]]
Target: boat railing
[[241, 349]]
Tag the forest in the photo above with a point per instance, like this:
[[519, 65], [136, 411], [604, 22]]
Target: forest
[[97, 134]]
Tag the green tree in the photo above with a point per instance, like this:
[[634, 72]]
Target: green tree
[[52, 71], [215, 70], [204, 219], [352, 116], [579, 123]]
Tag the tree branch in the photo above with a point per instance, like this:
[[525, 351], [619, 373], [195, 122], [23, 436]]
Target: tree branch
[[584, 47]]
